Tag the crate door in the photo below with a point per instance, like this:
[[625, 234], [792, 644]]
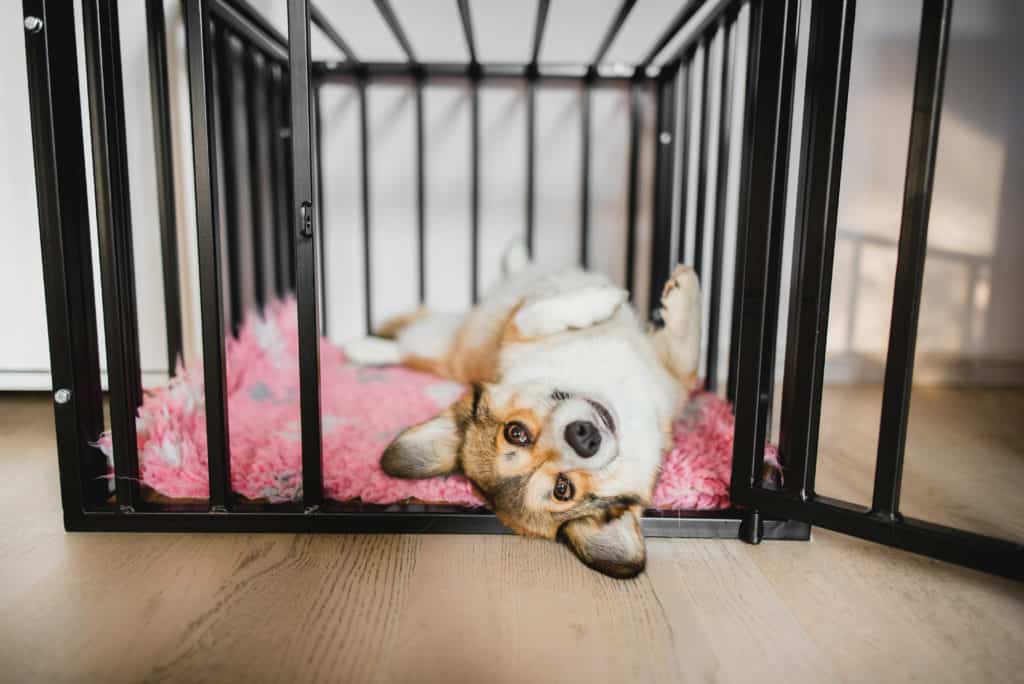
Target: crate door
[[829, 54]]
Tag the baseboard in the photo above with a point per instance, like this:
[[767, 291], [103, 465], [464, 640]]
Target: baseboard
[[929, 369], [40, 381]]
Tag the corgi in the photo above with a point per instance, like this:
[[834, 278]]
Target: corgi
[[570, 408]]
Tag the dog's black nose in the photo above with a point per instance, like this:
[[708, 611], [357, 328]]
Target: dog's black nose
[[584, 437]]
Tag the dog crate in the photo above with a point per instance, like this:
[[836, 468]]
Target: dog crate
[[282, 86]]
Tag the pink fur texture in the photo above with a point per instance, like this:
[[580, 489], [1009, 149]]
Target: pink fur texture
[[363, 410]]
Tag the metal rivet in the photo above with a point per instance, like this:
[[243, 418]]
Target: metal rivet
[[62, 396], [33, 24], [665, 137]]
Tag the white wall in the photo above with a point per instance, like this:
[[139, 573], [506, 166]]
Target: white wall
[[971, 328]]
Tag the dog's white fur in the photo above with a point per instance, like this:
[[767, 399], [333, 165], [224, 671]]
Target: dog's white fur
[[575, 331]]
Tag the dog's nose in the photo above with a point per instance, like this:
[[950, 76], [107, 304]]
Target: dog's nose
[[584, 437]]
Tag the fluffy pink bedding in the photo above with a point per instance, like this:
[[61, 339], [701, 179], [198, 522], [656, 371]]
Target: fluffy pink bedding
[[363, 409]]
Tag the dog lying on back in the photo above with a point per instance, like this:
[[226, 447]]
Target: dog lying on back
[[570, 409]]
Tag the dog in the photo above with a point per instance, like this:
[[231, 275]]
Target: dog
[[570, 408]]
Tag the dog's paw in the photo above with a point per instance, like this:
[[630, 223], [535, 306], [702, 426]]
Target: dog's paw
[[680, 301], [515, 259], [572, 310], [372, 351]]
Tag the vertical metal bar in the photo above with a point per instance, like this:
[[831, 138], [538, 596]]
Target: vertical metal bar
[[585, 117], [721, 198], [684, 173], [703, 142], [906, 306], [830, 43], [201, 88], [255, 118], [318, 138], [364, 154], [306, 217], [780, 182], [279, 215], [762, 210], [156, 38], [59, 159], [531, 161], [226, 153], [113, 218], [664, 171], [475, 188], [279, 180], [634, 179], [421, 193]]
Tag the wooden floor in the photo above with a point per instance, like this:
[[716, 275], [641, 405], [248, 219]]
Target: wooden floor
[[297, 608]]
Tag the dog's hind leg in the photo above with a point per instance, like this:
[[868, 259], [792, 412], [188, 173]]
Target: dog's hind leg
[[678, 342]]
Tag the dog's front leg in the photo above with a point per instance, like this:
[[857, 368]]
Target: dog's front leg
[[574, 309]]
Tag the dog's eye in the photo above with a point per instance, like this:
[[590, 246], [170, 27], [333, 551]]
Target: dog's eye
[[564, 488], [516, 433]]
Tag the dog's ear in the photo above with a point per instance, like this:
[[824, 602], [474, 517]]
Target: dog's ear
[[425, 450], [613, 546]]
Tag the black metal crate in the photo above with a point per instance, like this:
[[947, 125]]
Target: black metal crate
[[282, 88]]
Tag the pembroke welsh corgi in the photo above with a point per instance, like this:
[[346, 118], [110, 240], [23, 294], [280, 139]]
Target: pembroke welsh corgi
[[570, 407]]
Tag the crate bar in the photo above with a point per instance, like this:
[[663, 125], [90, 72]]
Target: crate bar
[[531, 160], [765, 142], [364, 161], [612, 31], [421, 193], [698, 30], [228, 170], [113, 218], [318, 137], [829, 52], [664, 171], [391, 19], [988, 554], [321, 21], [585, 119], [531, 123], [686, 88], [635, 104], [55, 110], [475, 74], [420, 519], [306, 222], [333, 71], [721, 198], [156, 40], [251, 27], [277, 200], [538, 29], [917, 195], [201, 90], [778, 208], [703, 143], [678, 21], [467, 31], [740, 253], [259, 175], [474, 197]]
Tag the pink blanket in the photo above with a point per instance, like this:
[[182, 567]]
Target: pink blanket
[[363, 409]]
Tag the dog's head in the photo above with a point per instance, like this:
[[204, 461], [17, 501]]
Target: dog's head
[[547, 462]]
